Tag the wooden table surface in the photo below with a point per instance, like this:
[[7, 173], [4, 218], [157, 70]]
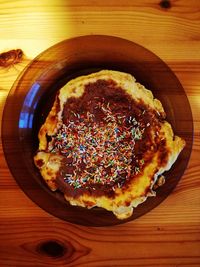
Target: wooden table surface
[[169, 234]]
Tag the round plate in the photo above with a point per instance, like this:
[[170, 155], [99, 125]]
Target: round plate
[[32, 96]]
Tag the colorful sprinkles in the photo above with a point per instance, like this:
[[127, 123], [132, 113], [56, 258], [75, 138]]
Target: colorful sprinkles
[[99, 152]]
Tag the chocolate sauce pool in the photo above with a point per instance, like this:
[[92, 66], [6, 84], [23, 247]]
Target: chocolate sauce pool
[[107, 139]]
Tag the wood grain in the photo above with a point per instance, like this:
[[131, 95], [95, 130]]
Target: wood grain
[[168, 235]]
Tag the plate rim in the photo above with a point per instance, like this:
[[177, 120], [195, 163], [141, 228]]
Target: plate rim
[[20, 79]]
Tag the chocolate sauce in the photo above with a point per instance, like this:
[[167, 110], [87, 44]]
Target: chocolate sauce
[[106, 140]]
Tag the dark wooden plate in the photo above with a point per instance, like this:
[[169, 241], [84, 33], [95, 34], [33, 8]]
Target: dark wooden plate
[[33, 93]]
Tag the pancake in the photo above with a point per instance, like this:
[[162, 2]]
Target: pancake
[[106, 143]]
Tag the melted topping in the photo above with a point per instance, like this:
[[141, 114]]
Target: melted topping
[[106, 139]]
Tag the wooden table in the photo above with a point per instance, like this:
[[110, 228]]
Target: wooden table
[[169, 234]]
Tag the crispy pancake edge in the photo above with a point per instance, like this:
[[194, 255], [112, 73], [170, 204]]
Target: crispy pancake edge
[[139, 189]]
